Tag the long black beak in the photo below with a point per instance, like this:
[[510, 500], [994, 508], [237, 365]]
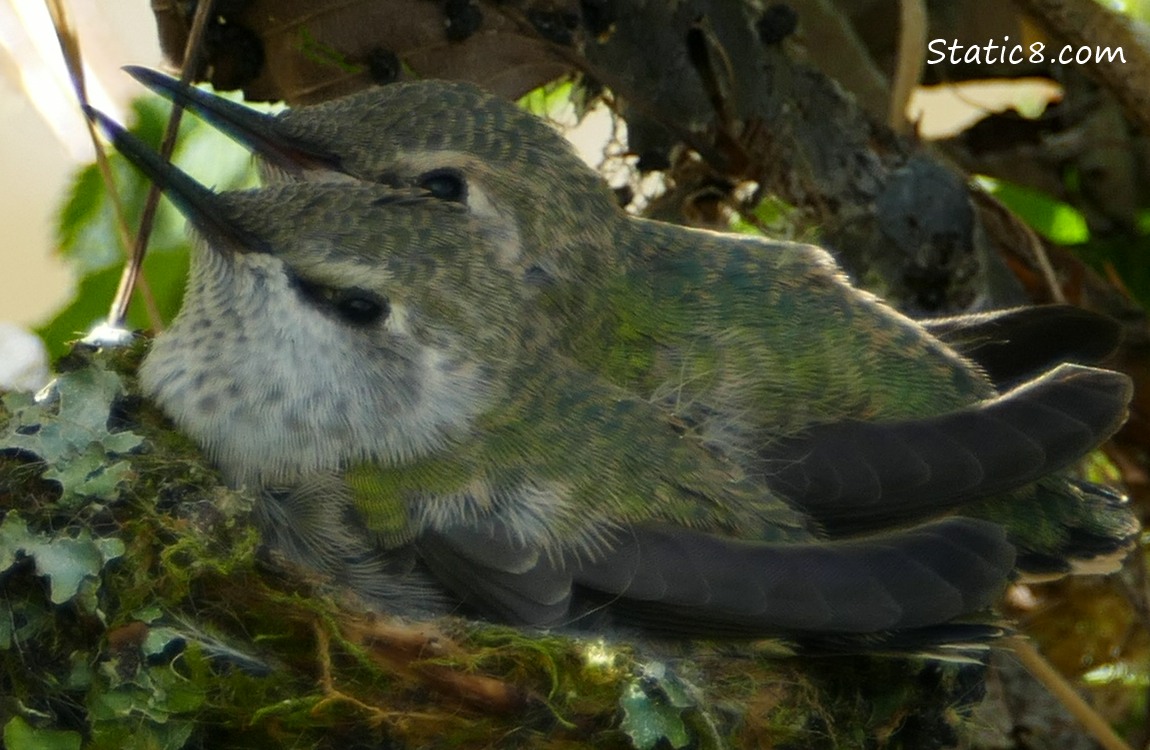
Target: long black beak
[[263, 134], [205, 210]]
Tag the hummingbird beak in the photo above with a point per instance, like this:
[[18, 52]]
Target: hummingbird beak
[[199, 205], [260, 133]]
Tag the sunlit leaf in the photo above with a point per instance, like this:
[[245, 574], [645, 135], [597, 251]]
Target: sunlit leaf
[[1057, 221], [648, 719], [20, 735]]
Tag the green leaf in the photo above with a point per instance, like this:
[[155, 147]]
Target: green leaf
[[20, 735], [648, 719], [1057, 221], [81, 208], [549, 99], [772, 218], [1122, 256]]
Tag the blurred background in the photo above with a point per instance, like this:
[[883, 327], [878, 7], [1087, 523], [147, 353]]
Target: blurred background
[[45, 141]]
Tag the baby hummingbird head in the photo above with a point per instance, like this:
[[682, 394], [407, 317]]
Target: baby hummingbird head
[[328, 322], [508, 168]]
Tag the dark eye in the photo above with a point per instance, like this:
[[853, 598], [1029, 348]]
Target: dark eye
[[355, 306], [359, 307], [445, 184]]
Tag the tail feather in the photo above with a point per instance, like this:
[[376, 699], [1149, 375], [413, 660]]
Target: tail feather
[[855, 476], [1013, 345], [701, 584], [1065, 526]]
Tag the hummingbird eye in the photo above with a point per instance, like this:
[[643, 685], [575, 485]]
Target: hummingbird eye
[[445, 184], [359, 306], [355, 306]]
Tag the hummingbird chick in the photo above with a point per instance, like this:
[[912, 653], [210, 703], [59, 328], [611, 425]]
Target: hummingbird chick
[[761, 350], [466, 379]]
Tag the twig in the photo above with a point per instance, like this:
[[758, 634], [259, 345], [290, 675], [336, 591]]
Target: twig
[[912, 33], [132, 269], [1064, 692], [73, 60]]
